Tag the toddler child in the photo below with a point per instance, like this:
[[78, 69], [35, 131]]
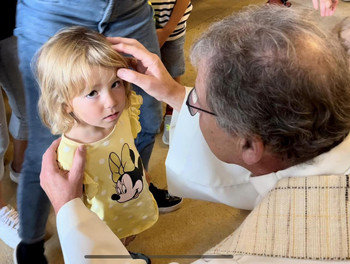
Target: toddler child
[[83, 99]]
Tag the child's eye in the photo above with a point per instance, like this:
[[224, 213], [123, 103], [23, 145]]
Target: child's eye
[[92, 94], [116, 84]]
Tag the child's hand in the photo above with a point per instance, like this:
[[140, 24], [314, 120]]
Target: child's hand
[[162, 36]]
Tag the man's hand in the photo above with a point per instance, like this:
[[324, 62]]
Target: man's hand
[[62, 186], [149, 74], [327, 7]]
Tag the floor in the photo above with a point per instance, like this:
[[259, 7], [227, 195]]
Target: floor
[[193, 229]]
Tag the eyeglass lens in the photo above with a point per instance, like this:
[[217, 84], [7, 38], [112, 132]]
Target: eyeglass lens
[[193, 99]]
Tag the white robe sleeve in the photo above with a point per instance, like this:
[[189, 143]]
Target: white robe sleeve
[[85, 238]]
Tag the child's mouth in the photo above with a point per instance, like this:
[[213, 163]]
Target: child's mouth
[[112, 117]]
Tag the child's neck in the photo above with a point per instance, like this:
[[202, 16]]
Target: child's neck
[[83, 134]]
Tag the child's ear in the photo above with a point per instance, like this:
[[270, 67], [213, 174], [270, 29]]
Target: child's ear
[[68, 108]]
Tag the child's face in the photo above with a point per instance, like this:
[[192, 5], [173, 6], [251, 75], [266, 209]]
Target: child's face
[[103, 100]]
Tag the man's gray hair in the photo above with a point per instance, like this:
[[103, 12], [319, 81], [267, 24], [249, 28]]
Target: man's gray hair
[[272, 72]]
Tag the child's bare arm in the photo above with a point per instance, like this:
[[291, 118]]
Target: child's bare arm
[[176, 15]]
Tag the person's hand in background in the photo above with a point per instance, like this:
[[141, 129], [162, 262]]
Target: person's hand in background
[[326, 7]]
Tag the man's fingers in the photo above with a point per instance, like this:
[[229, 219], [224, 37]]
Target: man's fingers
[[117, 40], [143, 59], [49, 163], [134, 77], [139, 52], [315, 3], [136, 65], [50, 155], [77, 170], [130, 47], [132, 62]]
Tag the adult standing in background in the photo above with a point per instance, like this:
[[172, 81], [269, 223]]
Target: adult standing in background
[[11, 83]]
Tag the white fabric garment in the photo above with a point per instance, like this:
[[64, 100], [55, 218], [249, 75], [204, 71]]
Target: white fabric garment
[[264, 260], [193, 171], [335, 161], [82, 233]]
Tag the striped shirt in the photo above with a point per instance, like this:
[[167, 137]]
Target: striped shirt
[[162, 12]]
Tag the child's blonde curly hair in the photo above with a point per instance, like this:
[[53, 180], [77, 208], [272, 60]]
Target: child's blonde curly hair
[[63, 67]]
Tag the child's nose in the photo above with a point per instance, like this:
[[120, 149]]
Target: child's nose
[[111, 101]]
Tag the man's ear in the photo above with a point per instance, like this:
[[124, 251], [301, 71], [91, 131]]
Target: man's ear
[[252, 150]]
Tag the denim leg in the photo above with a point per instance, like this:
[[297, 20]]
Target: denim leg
[[11, 81], [140, 25], [4, 137], [33, 204], [36, 22], [150, 119]]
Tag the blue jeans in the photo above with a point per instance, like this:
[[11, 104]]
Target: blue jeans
[[37, 20], [11, 82]]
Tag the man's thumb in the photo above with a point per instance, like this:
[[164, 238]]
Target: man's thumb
[[77, 170]]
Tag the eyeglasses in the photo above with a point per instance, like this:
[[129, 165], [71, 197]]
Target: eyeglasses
[[191, 102]]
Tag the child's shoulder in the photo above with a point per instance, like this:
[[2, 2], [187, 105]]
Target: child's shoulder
[[134, 113], [135, 99], [65, 142]]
